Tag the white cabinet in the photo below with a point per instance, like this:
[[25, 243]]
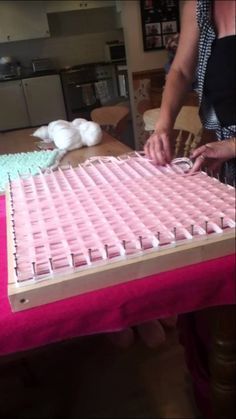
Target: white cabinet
[[44, 99], [67, 5], [21, 20], [13, 111], [31, 102]]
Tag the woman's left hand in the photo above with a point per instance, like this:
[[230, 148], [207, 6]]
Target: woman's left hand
[[212, 155]]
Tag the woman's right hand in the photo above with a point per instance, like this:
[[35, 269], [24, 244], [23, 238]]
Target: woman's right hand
[[157, 147]]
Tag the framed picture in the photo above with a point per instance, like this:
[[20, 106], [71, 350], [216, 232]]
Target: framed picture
[[160, 21]]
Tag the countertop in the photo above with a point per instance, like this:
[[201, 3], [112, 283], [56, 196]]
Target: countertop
[[30, 74]]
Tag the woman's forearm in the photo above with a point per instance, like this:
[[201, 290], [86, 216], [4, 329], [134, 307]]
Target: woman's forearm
[[176, 88], [182, 70]]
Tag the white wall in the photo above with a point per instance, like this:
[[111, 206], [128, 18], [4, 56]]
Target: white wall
[[65, 51], [138, 59]]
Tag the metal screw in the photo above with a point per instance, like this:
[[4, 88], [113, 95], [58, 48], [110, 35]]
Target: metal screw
[[141, 241], [222, 222], [50, 263], [72, 259], [90, 254], [192, 229], [34, 268], [175, 233], [106, 250]]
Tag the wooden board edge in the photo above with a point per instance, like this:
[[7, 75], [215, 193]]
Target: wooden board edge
[[10, 241], [66, 286]]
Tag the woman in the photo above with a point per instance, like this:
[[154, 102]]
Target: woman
[[207, 38], [206, 47]]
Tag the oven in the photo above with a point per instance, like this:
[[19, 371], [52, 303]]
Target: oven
[[87, 87]]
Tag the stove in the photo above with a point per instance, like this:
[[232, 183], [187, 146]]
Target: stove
[[87, 87]]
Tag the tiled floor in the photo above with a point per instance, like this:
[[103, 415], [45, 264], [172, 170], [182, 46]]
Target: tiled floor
[[91, 378]]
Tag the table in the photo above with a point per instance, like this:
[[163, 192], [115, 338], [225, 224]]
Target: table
[[184, 290]]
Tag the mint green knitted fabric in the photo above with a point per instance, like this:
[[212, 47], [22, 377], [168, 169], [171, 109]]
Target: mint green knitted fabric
[[23, 162]]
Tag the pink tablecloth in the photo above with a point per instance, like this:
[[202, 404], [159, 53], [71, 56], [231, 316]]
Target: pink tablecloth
[[179, 291]]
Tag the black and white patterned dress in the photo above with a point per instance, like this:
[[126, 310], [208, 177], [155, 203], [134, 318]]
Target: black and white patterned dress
[[206, 110]]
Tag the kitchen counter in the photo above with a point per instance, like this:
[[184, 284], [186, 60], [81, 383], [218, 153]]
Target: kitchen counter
[[25, 74], [30, 74]]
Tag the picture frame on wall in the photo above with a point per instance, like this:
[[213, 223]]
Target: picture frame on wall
[[160, 21]]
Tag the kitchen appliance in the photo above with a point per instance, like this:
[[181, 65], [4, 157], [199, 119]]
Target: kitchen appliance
[[42, 64], [123, 84], [115, 51], [9, 68], [87, 87]]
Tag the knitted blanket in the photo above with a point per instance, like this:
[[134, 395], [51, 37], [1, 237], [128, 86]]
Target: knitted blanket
[[22, 163]]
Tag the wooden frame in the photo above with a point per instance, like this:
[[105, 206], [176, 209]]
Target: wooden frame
[[107, 274]]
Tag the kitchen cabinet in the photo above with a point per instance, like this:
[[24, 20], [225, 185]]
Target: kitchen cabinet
[[21, 20], [64, 6], [13, 110], [31, 102], [44, 99]]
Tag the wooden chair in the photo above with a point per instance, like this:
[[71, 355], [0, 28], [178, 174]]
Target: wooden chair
[[188, 128], [113, 119]]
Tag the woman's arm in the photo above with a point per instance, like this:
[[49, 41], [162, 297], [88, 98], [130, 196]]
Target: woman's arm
[[179, 80]]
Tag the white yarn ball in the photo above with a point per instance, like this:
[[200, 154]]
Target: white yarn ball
[[42, 133], [67, 138], [78, 121], [54, 125], [91, 133]]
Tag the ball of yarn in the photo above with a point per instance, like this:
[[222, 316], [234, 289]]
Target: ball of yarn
[[67, 138], [78, 121], [91, 133], [42, 133], [55, 125]]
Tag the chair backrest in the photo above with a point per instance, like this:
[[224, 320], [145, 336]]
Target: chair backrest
[[112, 118], [187, 123]]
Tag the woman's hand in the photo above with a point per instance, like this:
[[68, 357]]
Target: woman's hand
[[212, 155], [157, 147]]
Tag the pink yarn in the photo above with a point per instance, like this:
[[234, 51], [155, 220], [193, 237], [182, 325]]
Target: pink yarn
[[111, 208]]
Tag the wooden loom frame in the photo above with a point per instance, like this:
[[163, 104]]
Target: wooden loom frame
[[106, 274]]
